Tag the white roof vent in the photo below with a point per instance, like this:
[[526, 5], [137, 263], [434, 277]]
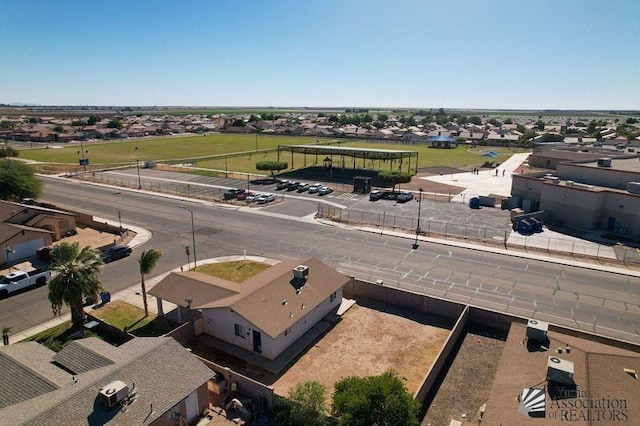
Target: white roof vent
[[113, 393], [537, 330], [301, 271], [560, 371]]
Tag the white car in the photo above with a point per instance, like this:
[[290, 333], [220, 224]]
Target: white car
[[265, 198], [315, 188], [325, 190], [252, 197]]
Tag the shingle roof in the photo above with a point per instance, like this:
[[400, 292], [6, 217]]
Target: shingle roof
[[19, 383], [79, 359], [163, 372], [260, 298], [598, 374]]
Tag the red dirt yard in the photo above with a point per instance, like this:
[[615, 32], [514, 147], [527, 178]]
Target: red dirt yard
[[370, 340]]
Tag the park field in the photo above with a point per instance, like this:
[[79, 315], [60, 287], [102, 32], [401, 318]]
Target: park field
[[241, 152]]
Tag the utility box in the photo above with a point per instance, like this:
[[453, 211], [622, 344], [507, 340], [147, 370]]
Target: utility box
[[560, 371], [537, 330], [362, 184]]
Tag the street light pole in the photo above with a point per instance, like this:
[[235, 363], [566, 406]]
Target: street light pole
[[415, 244], [139, 181], [193, 236]]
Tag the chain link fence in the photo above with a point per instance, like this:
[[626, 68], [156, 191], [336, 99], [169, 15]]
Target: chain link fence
[[536, 244]]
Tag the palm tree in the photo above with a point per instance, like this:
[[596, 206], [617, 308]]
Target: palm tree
[[148, 260], [75, 274]]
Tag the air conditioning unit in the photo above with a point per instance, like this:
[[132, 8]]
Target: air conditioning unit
[[301, 271], [560, 371], [604, 162], [537, 330], [113, 393]]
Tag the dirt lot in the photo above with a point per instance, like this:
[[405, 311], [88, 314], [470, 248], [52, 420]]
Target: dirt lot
[[368, 341], [467, 384]]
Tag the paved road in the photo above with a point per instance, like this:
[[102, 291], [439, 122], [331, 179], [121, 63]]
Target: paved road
[[573, 296]]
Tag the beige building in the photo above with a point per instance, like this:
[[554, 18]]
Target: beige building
[[587, 194], [266, 313]]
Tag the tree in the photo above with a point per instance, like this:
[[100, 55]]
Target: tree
[[75, 279], [376, 400], [475, 119], [508, 121], [308, 404], [8, 151], [147, 261], [5, 125], [272, 166], [58, 128], [383, 117], [93, 119], [394, 177], [115, 123], [540, 125], [18, 181], [494, 122]]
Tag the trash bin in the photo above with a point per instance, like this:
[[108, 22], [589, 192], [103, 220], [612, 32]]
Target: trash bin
[[105, 297]]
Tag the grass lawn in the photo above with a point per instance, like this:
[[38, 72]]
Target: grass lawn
[[237, 271], [118, 152], [57, 337], [124, 315], [172, 148]]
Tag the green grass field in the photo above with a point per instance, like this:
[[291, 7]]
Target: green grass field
[[192, 148]]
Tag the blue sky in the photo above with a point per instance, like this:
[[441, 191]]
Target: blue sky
[[512, 54]]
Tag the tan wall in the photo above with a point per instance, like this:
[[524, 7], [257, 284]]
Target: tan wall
[[456, 335], [575, 207], [169, 419], [601, 176], [527, 186], [625, 208], [245, 386], [357, 289]]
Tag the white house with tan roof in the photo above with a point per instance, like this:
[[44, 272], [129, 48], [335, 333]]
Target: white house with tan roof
[[267, 312]]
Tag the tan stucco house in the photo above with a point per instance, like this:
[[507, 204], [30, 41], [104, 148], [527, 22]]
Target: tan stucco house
[[266, 313]]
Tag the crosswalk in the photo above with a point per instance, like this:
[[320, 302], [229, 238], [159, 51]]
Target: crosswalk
[[348, 196]]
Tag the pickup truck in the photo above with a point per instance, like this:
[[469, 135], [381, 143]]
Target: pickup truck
[[19, 280]]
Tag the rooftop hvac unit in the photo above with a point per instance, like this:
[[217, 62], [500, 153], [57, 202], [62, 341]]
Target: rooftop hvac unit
[[537, 330], [560, 371], [113, 393], [633, 187], [301, 271], [604, 162]]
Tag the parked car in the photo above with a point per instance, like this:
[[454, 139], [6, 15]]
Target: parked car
[[303, 187], [314, 188], [243, 196], [232, 193], [44, 253], [251, 197], [403, 197], [325, 190], [376, 195], [292, 186], [390, 195], [265, 198], [19, 280], [282, 184], [115, 253]]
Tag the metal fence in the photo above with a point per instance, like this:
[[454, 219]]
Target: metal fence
[[537, 244]]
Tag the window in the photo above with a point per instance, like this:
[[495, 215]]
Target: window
[[333, 296], [240, 332]]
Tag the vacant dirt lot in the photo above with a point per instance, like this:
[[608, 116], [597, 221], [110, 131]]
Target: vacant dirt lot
[[368, 341]]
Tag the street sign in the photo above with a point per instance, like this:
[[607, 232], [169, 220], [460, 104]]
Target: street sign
[[187, 251], [84, 161]]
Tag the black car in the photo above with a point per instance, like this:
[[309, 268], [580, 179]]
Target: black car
[[282, 184], [292, 186], [115, 253], [230, 194]]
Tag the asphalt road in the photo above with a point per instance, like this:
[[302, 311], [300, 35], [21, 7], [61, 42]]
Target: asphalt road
[[588, 299]]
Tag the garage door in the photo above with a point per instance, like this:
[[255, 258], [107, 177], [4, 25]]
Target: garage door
[[25, 250]]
